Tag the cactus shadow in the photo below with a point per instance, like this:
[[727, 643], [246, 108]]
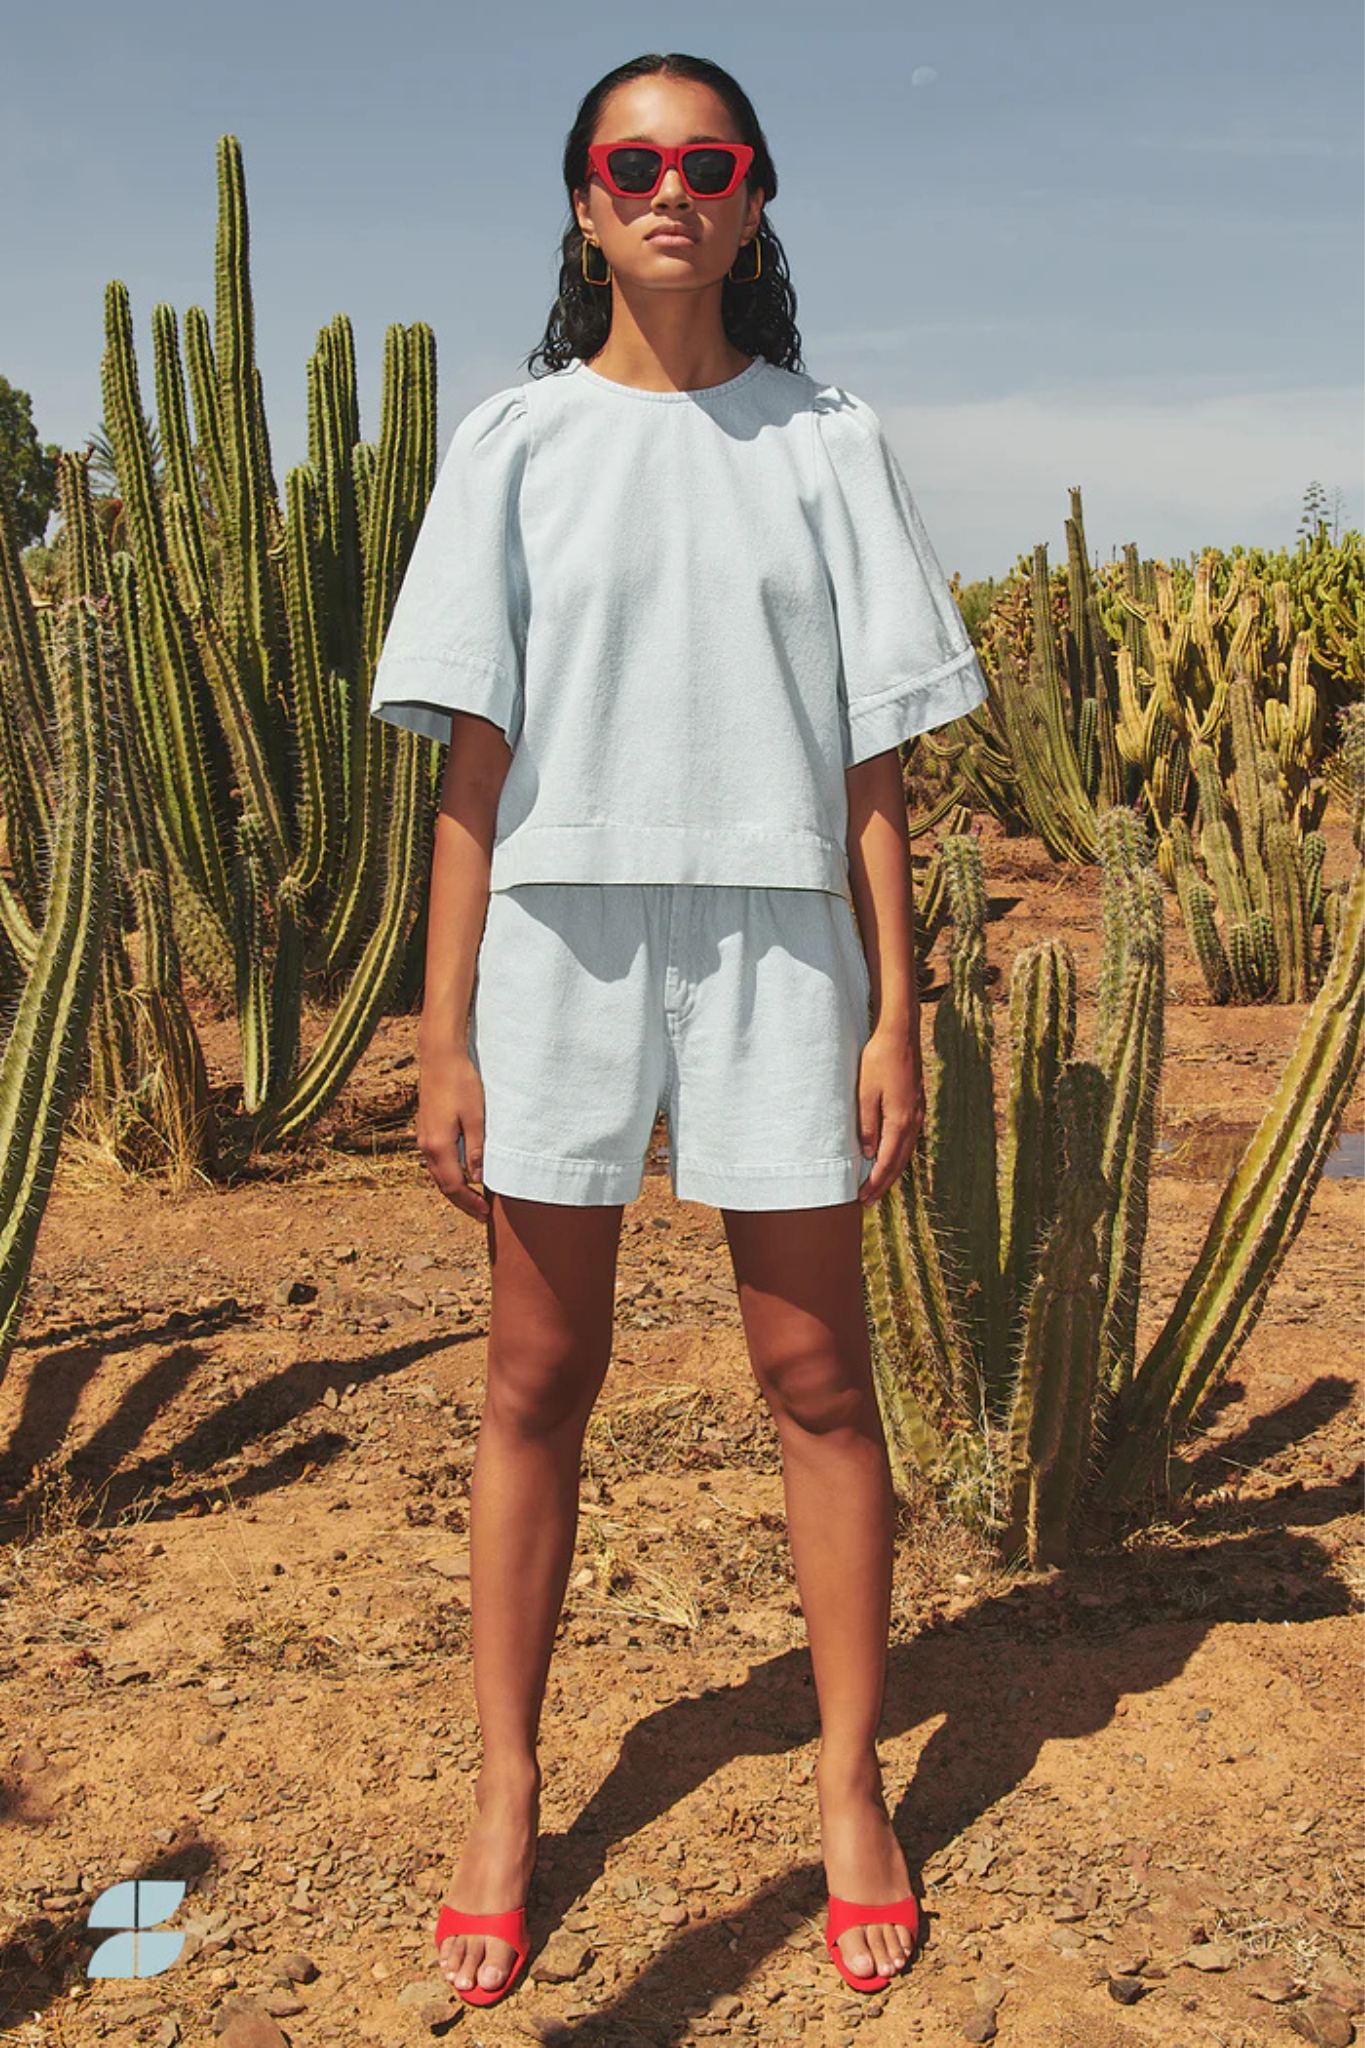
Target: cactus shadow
[[53, 1395]]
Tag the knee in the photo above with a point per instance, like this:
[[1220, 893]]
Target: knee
[[536, 1389], [810, 1387]]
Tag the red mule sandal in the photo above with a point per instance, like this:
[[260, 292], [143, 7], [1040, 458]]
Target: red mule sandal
[[509, 1926], [846, 1913]]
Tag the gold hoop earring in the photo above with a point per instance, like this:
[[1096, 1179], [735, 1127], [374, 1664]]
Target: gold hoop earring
[[583, 263], [757, 270]]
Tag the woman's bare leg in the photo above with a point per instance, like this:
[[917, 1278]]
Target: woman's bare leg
[[799, 1273], [549, 1344]]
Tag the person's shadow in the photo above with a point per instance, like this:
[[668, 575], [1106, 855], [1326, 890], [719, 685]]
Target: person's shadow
[[1157, 1608]]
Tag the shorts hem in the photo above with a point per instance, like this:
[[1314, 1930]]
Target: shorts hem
[[581, 1183], [818, 1184]]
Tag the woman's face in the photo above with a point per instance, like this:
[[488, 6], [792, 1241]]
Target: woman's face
[[667, 110]]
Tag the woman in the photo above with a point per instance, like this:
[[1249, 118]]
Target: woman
[[673, 607]]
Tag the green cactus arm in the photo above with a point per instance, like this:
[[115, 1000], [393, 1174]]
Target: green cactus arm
[[352, 1022], [1042, 1040], [1258, 1216], [202, 368], [27, 753], [406, 438], [961, 1119], [910, 1436], [1050, 1417], [171, 717], [245, 448], [1130, 1049], [39, 1069]]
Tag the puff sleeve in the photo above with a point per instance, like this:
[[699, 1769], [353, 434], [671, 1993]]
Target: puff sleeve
[[907, 663], [456, 638]]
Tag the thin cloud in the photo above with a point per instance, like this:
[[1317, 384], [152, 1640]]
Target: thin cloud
[[1219, 455], [1260, 145]]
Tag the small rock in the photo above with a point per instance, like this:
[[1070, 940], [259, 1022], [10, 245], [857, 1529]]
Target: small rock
[[1211, 1955], [1264, 1978], [1325, 2025], [1339, 1989], [981, 2026], [1125, 1990], [563, 1958], [1068, 1938], [296, 1969], [990, 1991], [725, 2006], [251, 2030]]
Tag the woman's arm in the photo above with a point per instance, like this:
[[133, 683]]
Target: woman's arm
[[891, 1075], [450, 1093]]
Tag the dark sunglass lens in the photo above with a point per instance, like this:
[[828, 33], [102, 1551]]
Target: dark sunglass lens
[[635, 170], [709, 170]]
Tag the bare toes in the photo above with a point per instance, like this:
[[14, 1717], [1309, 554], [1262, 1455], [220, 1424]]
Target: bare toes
[[857, 1955]]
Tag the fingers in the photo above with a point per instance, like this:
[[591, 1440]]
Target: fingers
[[895, 1133], [455, 1162]]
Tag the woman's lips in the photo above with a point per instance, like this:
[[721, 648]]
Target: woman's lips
[[666, 240]]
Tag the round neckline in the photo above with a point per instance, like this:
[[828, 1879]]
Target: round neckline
[[704, 392]]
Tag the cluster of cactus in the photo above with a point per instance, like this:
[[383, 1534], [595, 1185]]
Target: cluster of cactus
[[1203, 696], [286, 829], [1002, 1298], [53, 971], [1262, 865]]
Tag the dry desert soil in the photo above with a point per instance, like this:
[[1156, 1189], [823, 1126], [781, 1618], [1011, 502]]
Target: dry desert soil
[[235, 1445]]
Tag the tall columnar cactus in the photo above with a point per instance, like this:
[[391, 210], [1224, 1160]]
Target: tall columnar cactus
[[296, 827], [41, 1059], [1078, 1427], [1257, 1219], [142, 1087]]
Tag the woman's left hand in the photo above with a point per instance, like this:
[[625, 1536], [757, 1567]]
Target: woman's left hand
[[890, 1107]]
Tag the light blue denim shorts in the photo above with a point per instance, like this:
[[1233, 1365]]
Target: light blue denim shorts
[[741, 1013]]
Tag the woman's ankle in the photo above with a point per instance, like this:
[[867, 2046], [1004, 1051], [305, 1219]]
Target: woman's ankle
[[848, 1766], [514, 1771]]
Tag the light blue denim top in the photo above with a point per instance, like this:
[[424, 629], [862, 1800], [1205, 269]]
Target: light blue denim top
[[689, 612]]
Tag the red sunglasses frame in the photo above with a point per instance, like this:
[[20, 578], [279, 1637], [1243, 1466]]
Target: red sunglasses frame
[[598, 153]]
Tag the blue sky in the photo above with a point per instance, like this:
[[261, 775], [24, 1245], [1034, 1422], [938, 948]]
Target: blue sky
[[1077, 245]]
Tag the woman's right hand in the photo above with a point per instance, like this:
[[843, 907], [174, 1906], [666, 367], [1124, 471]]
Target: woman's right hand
[[450, 1108]]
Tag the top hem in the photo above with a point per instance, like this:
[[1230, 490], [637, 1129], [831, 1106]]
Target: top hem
[[655, 853]]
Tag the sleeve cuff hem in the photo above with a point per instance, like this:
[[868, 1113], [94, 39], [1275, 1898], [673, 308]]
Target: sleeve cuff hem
[[921, 705]]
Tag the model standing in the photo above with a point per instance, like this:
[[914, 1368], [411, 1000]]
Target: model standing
[[673, 607]]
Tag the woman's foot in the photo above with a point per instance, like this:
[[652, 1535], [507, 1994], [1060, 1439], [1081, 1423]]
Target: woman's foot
[[863, 1860], [493, 1873]]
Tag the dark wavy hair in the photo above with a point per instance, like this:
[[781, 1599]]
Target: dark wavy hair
[[758, 318]]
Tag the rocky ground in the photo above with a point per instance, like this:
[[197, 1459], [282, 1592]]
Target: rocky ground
[[236, 1438]]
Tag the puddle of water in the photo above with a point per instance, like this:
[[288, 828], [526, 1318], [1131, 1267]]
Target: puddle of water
[[1211, 1154], [1346, 1160]]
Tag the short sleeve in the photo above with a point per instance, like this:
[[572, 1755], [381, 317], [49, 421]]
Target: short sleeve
[[906, 658], [456, 638]]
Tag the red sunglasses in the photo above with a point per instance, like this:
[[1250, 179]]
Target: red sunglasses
[[635, 170]]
